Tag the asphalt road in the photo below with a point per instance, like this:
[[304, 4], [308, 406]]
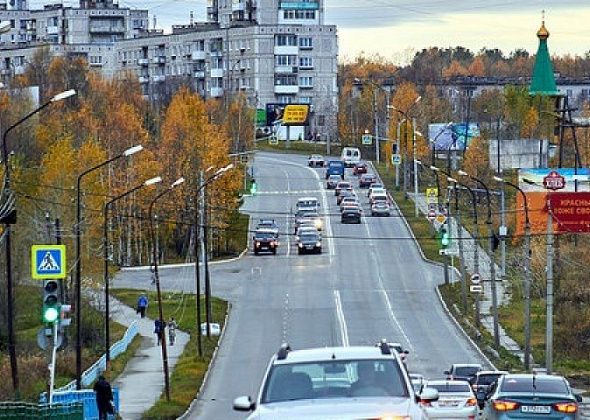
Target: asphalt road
[[369, 283]]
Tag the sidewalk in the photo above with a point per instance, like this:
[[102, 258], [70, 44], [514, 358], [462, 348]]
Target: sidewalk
[[142, 382], [484, 271]]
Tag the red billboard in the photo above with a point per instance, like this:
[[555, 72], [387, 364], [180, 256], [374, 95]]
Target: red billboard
[[571, 211]]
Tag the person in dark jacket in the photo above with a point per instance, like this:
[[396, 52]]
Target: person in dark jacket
[[104, 398], [142, 303]]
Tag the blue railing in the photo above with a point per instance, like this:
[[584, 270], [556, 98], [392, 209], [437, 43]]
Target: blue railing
[[74, 398]]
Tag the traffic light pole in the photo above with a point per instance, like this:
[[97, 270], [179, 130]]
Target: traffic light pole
[[53, 361]]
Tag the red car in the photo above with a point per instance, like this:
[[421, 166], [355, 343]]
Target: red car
[[360, 168]]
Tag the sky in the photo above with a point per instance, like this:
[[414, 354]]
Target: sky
[[396, 29]]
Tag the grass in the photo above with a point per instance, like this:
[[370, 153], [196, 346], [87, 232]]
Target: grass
[[190, 369], [298, 147]]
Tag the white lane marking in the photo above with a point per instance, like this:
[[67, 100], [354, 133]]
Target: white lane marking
[[288, 216], [322, 190], [341, 319], [384, 292]]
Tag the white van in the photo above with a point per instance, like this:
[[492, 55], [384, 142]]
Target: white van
[[350, 156], [308, 203]]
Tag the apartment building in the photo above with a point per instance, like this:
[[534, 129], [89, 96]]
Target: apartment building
[[273, 51]]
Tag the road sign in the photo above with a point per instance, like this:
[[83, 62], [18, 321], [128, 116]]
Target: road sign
[[476, 288], [449, 252], [367, 139], [48, 262], [432, 195], [441, 218], [431, 215], [273, 140], [43, 338], [475, 278], [396, 159]]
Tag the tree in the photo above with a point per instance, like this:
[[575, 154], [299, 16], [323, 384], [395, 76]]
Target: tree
[[530, 123], [403, 100], [455, 69], [477, 158], [477, 67]]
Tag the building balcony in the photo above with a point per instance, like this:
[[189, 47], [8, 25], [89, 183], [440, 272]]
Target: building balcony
[[306, 67], [159, 78], [299, 5], [216, 92], [143, 62], [52, 30], [144, 79], [199, 74], [238, 6], [287, 89], [198, 55], [216, 53], [286, 50], [216, 73], [115, 29], [161, 59], [5, 72], [286, 69]]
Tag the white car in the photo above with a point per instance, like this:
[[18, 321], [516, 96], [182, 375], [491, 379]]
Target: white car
[[316, 161], [336, 383], [455, 400]]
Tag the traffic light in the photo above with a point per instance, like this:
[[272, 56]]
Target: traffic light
[[253, 187], [64, 316], [51, 301], [394, 148], [445, 237]]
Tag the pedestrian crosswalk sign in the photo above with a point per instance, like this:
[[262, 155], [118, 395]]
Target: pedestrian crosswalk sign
[[48, 262]]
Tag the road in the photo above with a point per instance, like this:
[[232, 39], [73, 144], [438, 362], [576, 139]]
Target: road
[[369, 283]]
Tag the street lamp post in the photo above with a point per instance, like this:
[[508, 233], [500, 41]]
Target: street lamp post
[[9, 286], [492, 251], [527, 274], [178, 182], [107, 206], [78, 258]]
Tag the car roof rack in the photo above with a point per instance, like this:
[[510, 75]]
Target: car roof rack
[[283, 351], [385, 349]]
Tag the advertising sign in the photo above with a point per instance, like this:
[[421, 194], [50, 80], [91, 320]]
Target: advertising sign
[[571, 211], [453, 137], [287, 114]]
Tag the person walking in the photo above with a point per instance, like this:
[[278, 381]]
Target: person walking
[[172, 325], [159, 327], [142, 303], [104, 398]]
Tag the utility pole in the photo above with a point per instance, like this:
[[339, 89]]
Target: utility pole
[[461, 256], [415, 167], [549, 326], [503, 232], [398, 151], [197, 251], [206, 264], [376, 121]]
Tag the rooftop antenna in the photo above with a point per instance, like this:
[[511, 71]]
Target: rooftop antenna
[[155, 21], [192, 17]]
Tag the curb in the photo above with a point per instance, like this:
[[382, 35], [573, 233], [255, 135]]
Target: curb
[[211, 362], [181, 265]]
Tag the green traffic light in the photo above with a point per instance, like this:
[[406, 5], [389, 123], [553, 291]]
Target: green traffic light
[[445, 239], [253, 187], [50, 314]]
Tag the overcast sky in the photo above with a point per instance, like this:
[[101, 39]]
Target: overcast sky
[[396, 28]]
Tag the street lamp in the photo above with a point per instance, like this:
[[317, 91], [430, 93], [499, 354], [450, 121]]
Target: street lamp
[[176, 183], [492, 250], [78, 262], [527, 274], [202, 185], [107, 206], [11, 219]]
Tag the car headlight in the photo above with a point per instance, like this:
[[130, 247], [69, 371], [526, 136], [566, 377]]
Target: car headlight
[[257, 244], [318, 224], [300, 245], [318, 244]]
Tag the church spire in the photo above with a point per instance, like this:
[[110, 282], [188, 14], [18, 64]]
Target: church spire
[[543, 82]]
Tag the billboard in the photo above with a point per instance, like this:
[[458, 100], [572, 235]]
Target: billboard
[[287, 114], [452, 137], [539, 187]]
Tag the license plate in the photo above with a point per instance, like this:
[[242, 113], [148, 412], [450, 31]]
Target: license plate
[[536, 409], [448, 404], [309, 247]]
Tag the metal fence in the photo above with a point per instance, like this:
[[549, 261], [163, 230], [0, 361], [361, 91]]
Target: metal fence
[[22, 410], [85, 398]]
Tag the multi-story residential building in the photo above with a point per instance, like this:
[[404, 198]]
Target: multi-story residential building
[[274, 51]]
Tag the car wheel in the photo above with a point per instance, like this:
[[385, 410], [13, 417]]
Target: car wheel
[[274, 251], [319, 250], [299, 251], [255, 252]]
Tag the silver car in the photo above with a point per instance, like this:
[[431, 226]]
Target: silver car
[[455, 400], [380, 208]]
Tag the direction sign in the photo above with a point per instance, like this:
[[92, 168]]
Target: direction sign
[[476, 288], [431, 215], [367, 139], [475, 278], [48, 262], [396, 159]]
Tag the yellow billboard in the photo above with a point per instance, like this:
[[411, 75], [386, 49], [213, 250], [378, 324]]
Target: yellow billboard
[[296, 115]]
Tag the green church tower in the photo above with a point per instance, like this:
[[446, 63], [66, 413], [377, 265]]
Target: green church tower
[[543, 82]]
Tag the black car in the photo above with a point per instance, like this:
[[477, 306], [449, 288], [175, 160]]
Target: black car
[[268, 224], [366, 180], [351, 215], [309, 242], [265, 240]]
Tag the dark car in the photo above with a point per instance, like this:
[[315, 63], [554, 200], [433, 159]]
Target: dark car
[[265, 240], [351, 215], [484, 384], [366, 180], [332, 181], [342, 185], [360, 168], [343, 194], [308, 242], [463, 372]]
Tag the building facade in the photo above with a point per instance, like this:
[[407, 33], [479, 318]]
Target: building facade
[[273, 51]]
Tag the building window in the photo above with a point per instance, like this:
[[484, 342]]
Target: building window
[[306, 42], [306, 82], [286, 80], [285, 99], [286, 40], [306, 62], [305, 100], [286, 60], [298, 14]]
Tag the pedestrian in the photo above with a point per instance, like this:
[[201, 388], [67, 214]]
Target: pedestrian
[[104, 398], [142, 303], [159, 327], [172, 325]]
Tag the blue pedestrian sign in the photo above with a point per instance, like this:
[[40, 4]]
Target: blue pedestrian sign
[[48, 262]]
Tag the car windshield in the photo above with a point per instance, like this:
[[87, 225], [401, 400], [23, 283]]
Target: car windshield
[[306, 213], [465, 371], [334, 178], [264, 235], [487, 379], [538, 385], [309, 238], [334, 379], [344, 185], [376, 186], [334, 163], [380, 203], [267, 223], [446, 387]]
